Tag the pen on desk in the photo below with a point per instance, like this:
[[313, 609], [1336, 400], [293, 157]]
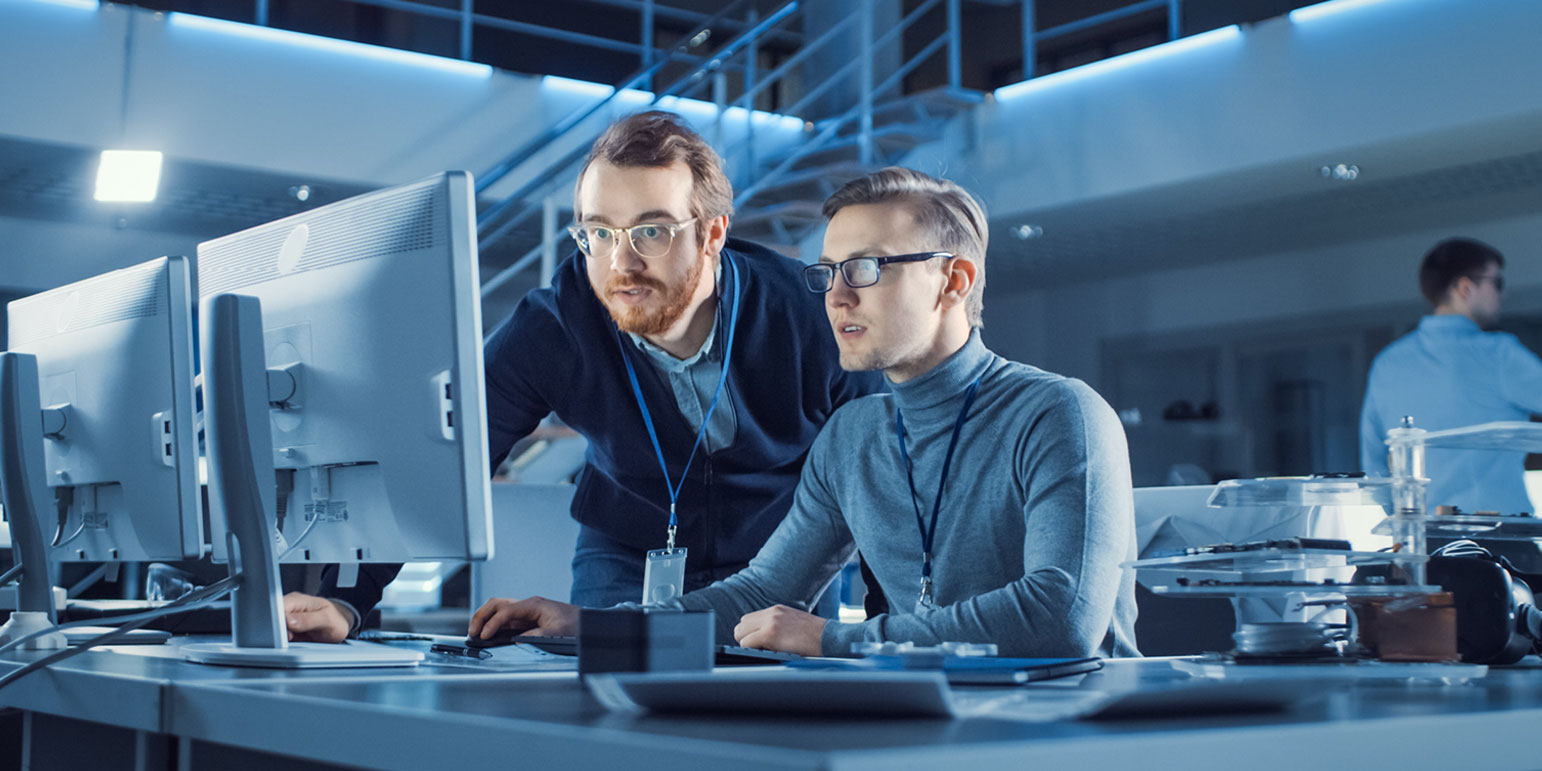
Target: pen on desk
[[461, 650]]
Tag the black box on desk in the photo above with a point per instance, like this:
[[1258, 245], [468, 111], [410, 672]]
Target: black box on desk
[[644, 640]]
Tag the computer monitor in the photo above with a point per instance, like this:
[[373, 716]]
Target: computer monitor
[[100, 457], [342, 352]]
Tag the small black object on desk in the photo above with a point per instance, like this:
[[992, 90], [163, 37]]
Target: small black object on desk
[[644, 640]]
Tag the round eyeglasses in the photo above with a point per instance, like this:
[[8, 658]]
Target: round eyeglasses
[[858, 272], [649, 240]]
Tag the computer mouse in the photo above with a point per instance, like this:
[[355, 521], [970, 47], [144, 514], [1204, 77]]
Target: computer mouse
[[504, 636]]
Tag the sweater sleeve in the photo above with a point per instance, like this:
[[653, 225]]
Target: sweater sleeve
[[515, 405], [1073, 465], [804, 553]]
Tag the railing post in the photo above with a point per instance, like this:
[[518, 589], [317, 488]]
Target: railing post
[[548, 238], [1174, 19], [1030, 48], [719, 100], [955, 53], [262, 13], [466, 14], [647, 42], [865, 82], [751, 72]]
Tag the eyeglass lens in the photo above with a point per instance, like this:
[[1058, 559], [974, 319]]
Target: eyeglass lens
[[648, 240]]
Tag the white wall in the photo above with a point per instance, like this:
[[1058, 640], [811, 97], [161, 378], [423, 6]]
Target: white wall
[[1459, 75], [1063, 328]]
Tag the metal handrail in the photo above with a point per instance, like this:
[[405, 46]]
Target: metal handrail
[[501, 169], [681, 85], [832, 126]]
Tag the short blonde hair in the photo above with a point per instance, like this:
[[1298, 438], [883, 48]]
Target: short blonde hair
[[953, 217]]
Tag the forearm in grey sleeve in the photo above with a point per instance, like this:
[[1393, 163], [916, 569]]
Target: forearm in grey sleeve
[[802, 555], [1080, 525]]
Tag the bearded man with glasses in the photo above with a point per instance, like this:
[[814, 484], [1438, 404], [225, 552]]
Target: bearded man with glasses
[[990, 499], [696, 365]]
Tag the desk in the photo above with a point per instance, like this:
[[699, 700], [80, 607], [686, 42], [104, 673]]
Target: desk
[[458, 717]]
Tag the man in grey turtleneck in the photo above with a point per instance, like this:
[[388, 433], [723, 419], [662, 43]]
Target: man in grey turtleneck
[[1017, 544]]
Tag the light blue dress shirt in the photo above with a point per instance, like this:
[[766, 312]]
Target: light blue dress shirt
[[1449, 373], [694, 381]]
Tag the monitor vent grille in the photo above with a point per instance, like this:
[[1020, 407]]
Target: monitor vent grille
[[130, 293], [398, 221]]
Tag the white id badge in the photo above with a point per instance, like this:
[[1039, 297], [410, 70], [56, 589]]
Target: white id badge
[[663, 576]]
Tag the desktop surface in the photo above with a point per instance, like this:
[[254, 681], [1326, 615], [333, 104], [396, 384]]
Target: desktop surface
[[459, 711]]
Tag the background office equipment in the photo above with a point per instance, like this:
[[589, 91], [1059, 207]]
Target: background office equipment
[[369, 416], [112, 474]]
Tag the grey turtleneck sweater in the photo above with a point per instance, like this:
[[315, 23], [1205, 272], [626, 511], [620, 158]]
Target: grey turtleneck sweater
[[1035, 520]]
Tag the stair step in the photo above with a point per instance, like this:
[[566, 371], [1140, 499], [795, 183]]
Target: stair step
[[801, 209], [942, 102], [810, 184]]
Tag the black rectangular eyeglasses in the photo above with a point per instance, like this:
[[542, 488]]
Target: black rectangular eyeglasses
[[858, 272]]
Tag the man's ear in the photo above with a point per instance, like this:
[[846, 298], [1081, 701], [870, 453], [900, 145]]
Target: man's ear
[[716, 229], [1462, 289], [959, 274]]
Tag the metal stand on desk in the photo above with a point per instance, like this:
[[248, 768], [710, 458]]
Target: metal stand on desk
[[240, 446], [23, 424]]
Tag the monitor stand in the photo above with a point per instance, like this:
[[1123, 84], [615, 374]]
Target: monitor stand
[[240, 450], [22, 480]]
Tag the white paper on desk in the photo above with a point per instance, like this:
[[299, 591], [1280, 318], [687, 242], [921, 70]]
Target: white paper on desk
[[777, 690]]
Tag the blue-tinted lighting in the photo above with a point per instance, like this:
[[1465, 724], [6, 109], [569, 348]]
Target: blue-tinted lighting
[[692, 108], [1123, 61], [84, 5], [1329, 8], [346, 47]]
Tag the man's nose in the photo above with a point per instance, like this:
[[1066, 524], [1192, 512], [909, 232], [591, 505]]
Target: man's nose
[[624, 259], [840, 295]]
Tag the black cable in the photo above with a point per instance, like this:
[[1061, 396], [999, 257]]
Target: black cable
[[207, 594], [186, 602]]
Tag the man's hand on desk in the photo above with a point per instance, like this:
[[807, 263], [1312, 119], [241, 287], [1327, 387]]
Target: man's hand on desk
[[780, 628], [537, 615], [315, 619]]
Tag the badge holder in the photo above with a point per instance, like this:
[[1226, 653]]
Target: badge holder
[[663, 576]]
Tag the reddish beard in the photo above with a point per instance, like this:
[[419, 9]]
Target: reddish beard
[[643, 321]]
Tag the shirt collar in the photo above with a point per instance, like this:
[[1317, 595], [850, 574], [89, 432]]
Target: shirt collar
[[1448, 322], [706, 345]]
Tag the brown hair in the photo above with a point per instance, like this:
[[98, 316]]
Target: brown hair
[[946, 211], [1451, 260], [656, 139]]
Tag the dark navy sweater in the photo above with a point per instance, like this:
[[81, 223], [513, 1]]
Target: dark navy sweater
[[560, 353]]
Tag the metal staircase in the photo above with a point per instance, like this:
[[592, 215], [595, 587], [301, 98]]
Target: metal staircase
[[779, 195]]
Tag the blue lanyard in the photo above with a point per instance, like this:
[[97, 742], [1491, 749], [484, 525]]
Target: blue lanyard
[[928, 534], [631, 372]]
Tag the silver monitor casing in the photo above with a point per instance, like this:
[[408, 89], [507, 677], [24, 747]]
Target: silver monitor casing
[[372, 305], [117, 351]]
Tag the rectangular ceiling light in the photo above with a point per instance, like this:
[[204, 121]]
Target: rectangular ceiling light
[[128, 175], [1309, 12], [84, 5]]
